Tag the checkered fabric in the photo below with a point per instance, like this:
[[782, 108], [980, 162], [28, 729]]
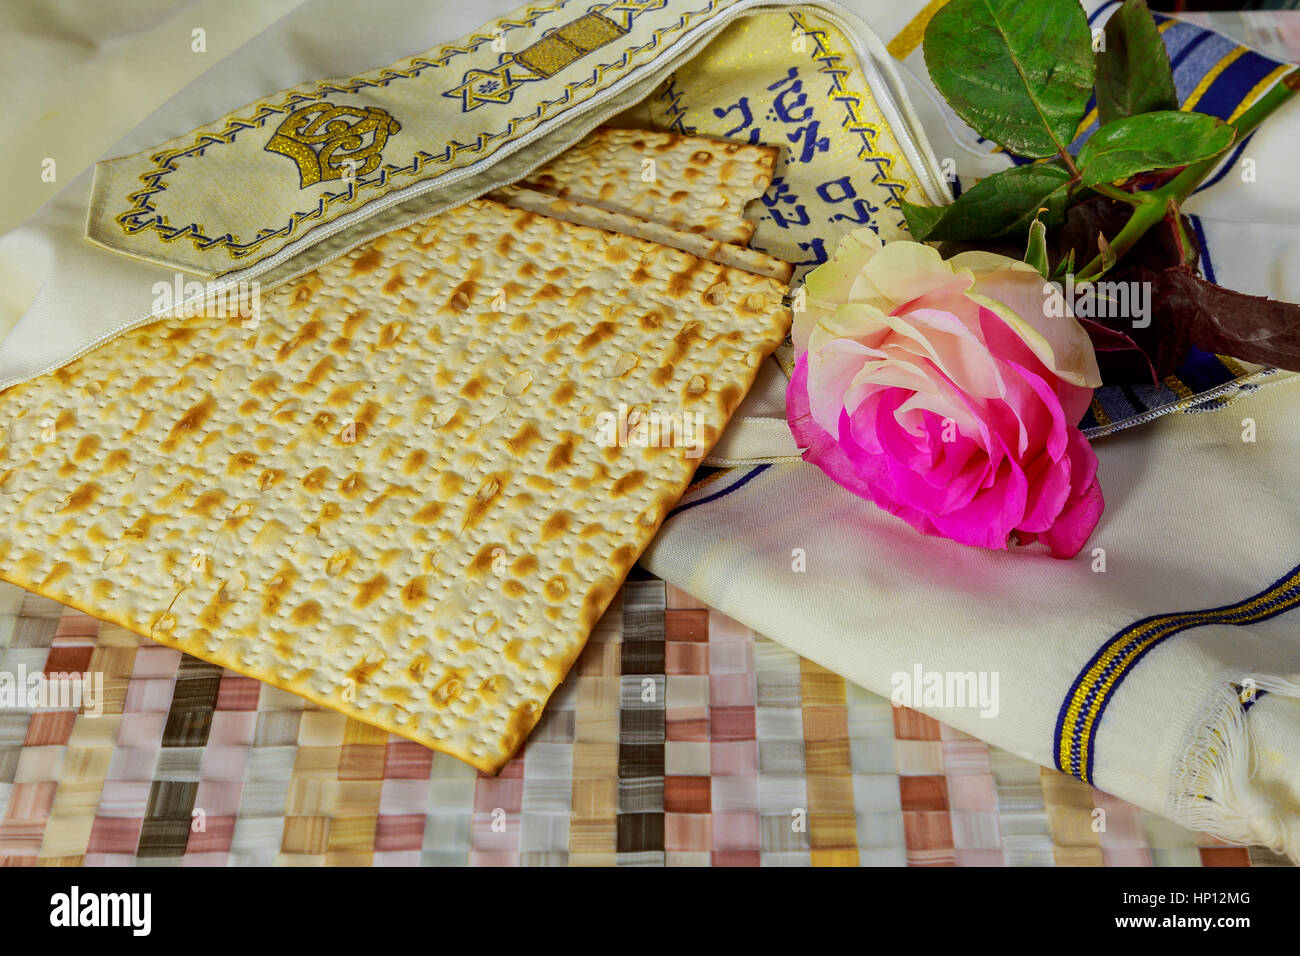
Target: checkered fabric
[[680, 739]]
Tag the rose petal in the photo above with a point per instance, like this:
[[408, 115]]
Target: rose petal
[[903, 271], [947, 394], [1074, 525], [1038, 313], [946, 341], [832, 369]]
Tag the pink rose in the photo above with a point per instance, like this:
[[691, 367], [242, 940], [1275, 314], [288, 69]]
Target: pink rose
[[948, 393]]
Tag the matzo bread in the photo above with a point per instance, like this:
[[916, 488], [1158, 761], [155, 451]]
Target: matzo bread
[[584, 214], [437, 574], [699, 185]]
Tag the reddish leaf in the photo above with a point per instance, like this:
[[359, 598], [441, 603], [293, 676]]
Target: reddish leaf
[[1160, 348], [1145, 354], [1248, 327], [1106, 342]]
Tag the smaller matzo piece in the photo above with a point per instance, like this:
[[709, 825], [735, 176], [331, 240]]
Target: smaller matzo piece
[[585, 214], [411, 487], [699, 185]]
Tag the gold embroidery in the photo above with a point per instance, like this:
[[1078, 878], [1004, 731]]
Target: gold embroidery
[[560, 48], [910, 37], [143, 215], [349, 140], [573, 40], [1099, 412]]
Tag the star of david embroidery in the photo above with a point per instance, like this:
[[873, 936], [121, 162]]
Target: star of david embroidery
[[497, 85]]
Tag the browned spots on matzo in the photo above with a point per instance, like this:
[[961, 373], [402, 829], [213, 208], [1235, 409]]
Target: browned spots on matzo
[[418, 667], [598, 597], [390, 335], [483, 561], [556, 525], [628, 483], [684, 341], [523, 439], [309, 332], [190, 423], [265, 386], [415, 462], [487, 496], [562, 455], [395, 283], [681, 281], [415, 591], [320, 371], [363, 671], [56, 573], [352, 323], [600, 332], [87, 447], [729, 397], [558, 332], [367, 262], [207, 502], [606, 169], [316, 479], [447, 690], [306, 614], [580, 299], [521, 722], [369, 591], [462, 297]]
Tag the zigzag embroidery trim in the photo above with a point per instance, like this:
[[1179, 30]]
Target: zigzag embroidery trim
[[144, 216], [830, 60]]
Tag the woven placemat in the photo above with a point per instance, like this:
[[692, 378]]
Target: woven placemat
[[680, 738]]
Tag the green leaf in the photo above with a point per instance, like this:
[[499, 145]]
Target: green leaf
[[1036, 251], [1065, 266], [1003, 204], [1019, 72], [1133, 74], [1147, 141]]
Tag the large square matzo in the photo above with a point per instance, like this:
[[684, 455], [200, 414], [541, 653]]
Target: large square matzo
[[390, 496]]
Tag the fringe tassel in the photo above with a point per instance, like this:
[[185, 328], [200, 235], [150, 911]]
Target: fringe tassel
[[1212, 790]]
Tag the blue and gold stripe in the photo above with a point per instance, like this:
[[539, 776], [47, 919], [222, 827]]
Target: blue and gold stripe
[[1096, 685]]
